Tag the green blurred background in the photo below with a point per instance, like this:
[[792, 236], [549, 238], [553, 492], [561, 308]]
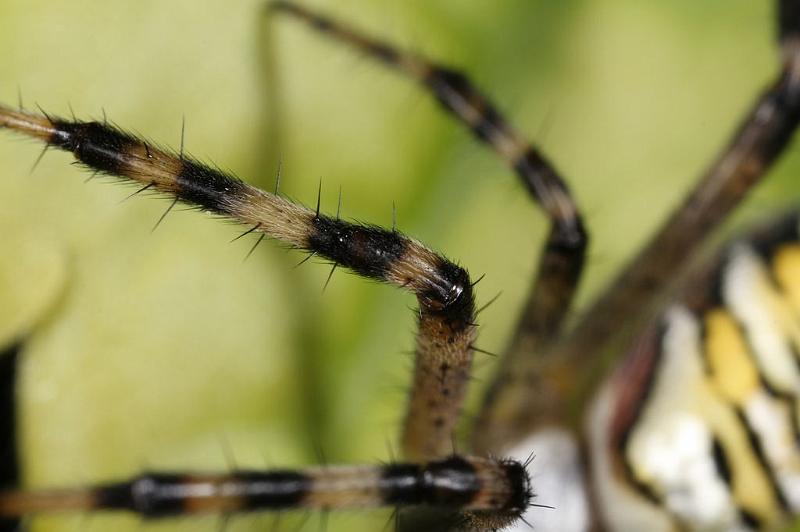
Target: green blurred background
[[165, 350]]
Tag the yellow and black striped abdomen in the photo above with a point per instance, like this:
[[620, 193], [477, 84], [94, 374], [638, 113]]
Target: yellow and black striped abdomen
[[698, 428]]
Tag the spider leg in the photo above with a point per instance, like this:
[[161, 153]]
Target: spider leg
[[476, 487], [562, 259], [447, 327], [553, 389]]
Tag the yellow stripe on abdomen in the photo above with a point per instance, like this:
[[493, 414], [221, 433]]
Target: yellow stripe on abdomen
[[734, 374]]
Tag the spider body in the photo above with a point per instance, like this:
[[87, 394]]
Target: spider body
[[370, 434], [707, 359]]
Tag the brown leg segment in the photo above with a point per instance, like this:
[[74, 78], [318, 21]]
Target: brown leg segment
[[553, 389]]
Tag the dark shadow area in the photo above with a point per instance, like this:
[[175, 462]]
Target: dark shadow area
[[9, 466]]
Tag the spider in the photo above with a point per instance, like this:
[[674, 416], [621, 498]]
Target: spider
[[354, 440]]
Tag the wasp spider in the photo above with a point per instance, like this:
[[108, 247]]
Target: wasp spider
[[126, 342]]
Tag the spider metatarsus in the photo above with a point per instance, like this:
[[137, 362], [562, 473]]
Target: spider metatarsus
[[28, 243]]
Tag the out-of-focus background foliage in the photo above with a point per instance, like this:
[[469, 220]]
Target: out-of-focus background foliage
[[165, 350]]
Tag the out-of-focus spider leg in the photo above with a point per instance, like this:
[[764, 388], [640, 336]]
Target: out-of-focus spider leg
[[553, 388]]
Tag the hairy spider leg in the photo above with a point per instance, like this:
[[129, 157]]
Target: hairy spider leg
[[447, 326], [483, 490]]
